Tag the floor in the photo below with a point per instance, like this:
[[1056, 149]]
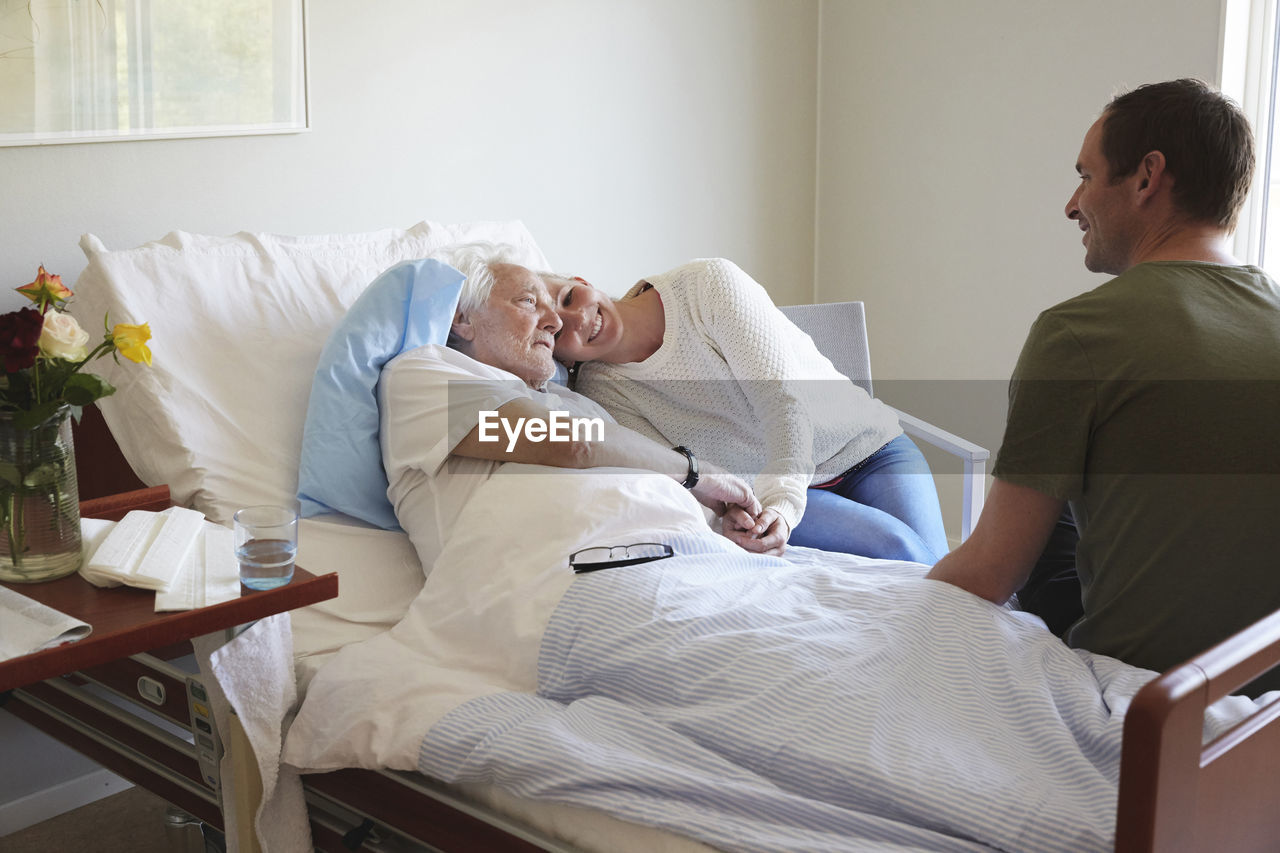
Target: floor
[[131, 821]]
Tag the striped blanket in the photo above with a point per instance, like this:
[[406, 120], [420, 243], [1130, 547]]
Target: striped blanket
[[763, 704]]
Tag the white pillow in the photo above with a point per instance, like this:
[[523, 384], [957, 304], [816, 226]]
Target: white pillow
[[238, 323]]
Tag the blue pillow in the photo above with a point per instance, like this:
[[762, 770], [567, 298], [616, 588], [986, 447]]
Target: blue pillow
[[408, 306]]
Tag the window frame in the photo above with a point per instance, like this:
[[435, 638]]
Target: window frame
[[1248, 48]]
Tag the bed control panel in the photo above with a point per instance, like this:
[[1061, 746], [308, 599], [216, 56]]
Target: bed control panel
[[208, 744]]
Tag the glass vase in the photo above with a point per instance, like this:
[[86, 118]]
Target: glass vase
[[39, 500]]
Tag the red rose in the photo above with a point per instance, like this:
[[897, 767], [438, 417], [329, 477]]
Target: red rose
[[20, 338]]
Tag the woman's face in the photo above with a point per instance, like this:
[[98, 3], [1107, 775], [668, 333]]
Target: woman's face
[[591, 328]]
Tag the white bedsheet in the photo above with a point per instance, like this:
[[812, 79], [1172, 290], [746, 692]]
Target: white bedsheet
[[948, 685], [378, 576]]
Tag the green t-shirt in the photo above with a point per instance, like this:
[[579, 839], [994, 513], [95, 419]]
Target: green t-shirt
[[1152, 405]]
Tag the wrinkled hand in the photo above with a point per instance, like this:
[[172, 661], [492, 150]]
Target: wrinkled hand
[[765, 533], [723, 492]]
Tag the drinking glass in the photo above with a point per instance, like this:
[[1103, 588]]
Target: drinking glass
[[266, 543]]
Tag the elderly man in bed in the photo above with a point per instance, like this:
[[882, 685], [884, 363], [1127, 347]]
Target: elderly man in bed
[[485, 389], [1149, 404]]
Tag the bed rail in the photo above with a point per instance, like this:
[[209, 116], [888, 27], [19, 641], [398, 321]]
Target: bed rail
[[1224, 795]]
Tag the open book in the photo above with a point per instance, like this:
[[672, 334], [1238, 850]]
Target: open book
[[28, 626]]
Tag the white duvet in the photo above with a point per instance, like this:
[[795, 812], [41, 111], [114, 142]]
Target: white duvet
[[886, 708], [476, 626]]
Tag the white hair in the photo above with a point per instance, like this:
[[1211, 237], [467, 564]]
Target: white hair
[[476, 261]]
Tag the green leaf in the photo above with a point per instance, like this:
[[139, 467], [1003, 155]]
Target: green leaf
[[53, 372], [9, 473], [18, 391], [32, 418], [84, 388]]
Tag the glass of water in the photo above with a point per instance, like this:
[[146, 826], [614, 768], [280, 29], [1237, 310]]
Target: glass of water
[[266, 543]]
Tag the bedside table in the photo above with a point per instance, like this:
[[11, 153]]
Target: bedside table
[[87, 694]]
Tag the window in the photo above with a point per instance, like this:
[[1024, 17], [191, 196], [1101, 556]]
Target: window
[[1249, 75], [81, 70]]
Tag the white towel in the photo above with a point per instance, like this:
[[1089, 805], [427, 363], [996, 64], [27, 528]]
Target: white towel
[[28, 626], [253, 675]]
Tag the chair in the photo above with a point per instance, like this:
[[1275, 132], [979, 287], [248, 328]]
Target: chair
[[839, 329]]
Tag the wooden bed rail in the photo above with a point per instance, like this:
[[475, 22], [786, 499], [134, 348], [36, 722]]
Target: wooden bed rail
[[1215, 796]]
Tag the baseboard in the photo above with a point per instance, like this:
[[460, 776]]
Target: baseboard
[[51, 802]]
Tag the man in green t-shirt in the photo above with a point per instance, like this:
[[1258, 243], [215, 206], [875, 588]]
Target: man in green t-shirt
[[1150, 405]]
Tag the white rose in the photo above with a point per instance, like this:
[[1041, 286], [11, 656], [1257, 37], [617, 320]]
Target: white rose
[[62, 337]]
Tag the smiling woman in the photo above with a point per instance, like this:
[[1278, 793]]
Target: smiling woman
[[699, 356], [123, 69]]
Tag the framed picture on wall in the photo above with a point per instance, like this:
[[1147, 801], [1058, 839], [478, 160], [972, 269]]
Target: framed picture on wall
[[96, 70]]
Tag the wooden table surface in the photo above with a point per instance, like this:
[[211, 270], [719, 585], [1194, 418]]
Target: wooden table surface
[[124, 619]]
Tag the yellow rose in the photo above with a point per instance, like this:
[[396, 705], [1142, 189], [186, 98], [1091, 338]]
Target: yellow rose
[[62, 337], [131, 341]]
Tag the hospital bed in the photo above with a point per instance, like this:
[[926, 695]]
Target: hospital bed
[[276, 298]]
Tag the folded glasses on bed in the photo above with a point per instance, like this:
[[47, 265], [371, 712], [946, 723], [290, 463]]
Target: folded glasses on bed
[[614, 556]]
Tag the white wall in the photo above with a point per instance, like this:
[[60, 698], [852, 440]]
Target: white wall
[[629, 136], [50, 778], [949, 135]]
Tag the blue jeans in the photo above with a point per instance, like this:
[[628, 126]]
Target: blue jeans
[[886, 507]]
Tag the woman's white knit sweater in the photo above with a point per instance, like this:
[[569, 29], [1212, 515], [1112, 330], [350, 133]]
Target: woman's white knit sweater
[[738, 384]]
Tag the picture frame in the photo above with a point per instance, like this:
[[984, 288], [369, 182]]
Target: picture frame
[[108, 70]]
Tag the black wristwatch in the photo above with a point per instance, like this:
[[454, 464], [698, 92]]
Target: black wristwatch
[[691, 479]]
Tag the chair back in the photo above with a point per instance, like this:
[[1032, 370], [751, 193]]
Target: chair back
[[839, 330]]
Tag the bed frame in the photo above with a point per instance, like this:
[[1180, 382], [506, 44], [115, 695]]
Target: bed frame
[[1175, 794]]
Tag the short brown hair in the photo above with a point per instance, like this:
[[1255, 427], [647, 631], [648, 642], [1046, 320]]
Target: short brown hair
[[1203, 135]]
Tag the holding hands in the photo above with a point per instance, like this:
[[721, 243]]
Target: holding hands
[[744, 521], [764, 532]]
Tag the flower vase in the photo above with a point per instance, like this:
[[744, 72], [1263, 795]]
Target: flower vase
[[39, 500]]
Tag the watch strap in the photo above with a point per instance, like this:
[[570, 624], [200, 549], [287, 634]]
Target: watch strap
[[691, 479]]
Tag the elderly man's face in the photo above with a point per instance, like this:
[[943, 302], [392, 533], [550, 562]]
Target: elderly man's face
[[515, 329]]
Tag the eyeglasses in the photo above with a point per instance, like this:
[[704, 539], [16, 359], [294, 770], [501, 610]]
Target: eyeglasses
[[614, 556]]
